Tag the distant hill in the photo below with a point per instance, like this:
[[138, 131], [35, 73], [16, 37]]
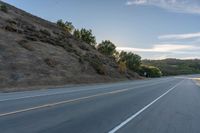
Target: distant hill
[[36, 52], [175, 66]]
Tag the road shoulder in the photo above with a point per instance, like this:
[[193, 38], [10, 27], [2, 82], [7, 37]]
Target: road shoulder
[[197, 80]]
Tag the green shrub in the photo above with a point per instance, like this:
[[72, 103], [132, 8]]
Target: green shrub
[[67, 26], [86, 36], [77, 34], [60, 23], [107, 48], [150, 71], [133, 61], [3, 8]]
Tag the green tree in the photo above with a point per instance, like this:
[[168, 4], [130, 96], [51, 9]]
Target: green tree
[[133, 61], [77, 34], [86, 36], [106, 47], [67, 26], [150, 71], [60, 23]]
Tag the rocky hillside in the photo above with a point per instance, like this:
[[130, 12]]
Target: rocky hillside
[[35, 52]]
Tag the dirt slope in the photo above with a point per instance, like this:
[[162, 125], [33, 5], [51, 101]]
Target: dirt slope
[[36, 52]]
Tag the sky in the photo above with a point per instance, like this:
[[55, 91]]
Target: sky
[[154, 29]]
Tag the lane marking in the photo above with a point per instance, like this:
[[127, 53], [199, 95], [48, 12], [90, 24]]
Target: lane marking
[[114, 130], [57, 93], [62, 102], [71, 100]]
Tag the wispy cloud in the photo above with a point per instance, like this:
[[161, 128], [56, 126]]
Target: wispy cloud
[[161, 48], [136, 2], [182, 6], [162, 51], [180, 36]]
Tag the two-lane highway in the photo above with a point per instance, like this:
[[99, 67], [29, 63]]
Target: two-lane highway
[[162, 105]]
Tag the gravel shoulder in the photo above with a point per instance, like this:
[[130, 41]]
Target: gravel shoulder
[[197, 80]]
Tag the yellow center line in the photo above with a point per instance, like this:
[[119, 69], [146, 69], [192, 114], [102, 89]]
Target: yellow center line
[[73, 100], [63, 102]]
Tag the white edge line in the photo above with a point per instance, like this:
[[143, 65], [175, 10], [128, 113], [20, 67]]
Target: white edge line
[[143, 109]]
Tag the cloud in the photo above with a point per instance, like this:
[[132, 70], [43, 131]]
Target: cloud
[[161, 48], [180, 36], [162, 51], [136, 2], [181, 6]]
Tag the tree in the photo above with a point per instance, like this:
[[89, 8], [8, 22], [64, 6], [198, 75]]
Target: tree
[[60, 23], [106, 47], [150, 71], [86, 36], [133, 61], [77, 34], [67, 26]]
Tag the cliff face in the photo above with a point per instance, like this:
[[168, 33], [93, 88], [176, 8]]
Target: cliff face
[[36, 52]]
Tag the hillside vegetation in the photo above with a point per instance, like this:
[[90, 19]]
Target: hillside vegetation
[[35, 52], [175, 66]]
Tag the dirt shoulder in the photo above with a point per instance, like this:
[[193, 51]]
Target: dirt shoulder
[[197, 81], [44, 87]]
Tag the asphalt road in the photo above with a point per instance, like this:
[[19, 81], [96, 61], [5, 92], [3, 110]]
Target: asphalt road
[[163, 105]]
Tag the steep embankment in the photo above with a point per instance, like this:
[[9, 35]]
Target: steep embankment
[[36, 52]]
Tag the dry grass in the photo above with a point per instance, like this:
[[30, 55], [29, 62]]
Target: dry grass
[[42, 58], [24, 44]]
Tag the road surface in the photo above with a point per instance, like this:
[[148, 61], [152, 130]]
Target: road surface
[[163, 105]]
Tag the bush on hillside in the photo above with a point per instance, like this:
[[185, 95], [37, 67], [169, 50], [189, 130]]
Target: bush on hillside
[[150, 71], [107, 48], [133, 61], [86, 36], [67, 26]]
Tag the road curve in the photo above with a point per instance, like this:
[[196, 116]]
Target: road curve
[[163, 105]]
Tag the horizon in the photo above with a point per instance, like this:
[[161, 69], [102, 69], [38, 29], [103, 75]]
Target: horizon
[[152, 29]]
